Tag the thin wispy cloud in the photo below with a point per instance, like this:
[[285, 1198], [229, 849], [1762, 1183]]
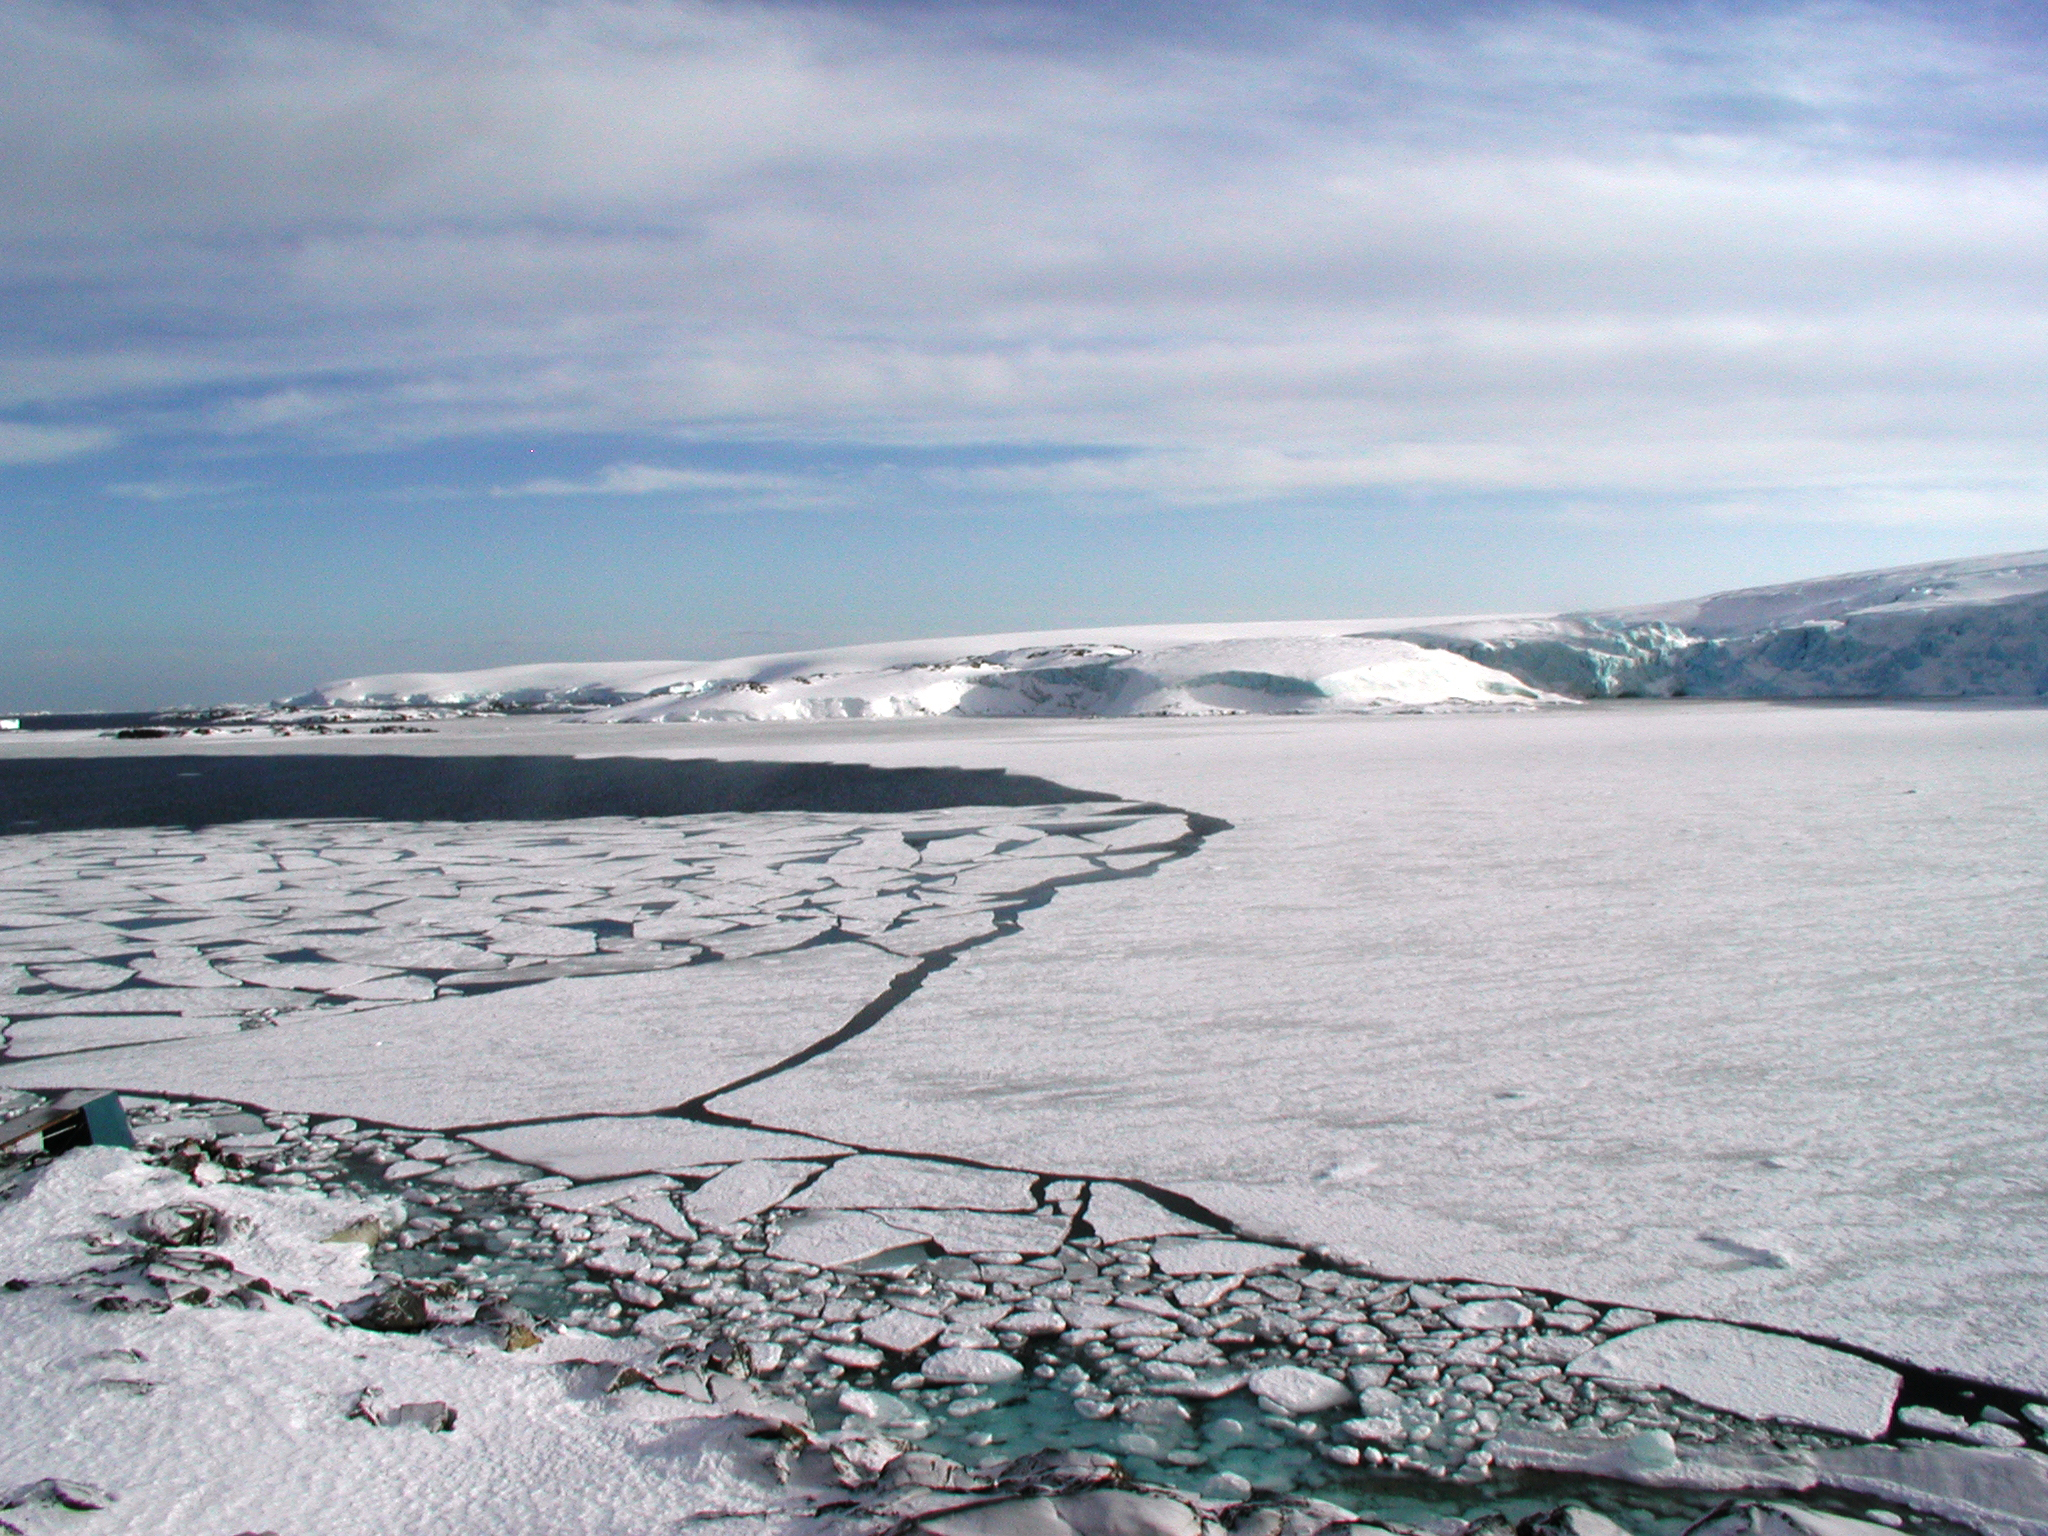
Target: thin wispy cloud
[[716, 488]]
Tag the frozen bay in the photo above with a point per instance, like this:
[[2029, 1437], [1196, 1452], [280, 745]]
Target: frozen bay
[[1734, 1009], [1731, 1009]]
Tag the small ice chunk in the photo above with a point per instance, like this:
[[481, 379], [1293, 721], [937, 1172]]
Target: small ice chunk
[[977, 1365], [486, 1173], [1205, 1293], [1296, 1390], [900, 1332], [1932, 1421], [658, 1211], [1555, 1349], [1490, 1315], [855, 1357]]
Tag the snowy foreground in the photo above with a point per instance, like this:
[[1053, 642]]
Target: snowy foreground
[[1959, 628], [1365, 1110]]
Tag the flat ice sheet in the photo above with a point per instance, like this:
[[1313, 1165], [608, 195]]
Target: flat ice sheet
[[606, 1148], [1732, 1009], [596, 1045]]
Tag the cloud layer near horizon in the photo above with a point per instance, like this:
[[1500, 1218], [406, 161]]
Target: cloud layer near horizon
[[1783, 262]]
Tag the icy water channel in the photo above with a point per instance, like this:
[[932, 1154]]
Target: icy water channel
[[497, 1258]]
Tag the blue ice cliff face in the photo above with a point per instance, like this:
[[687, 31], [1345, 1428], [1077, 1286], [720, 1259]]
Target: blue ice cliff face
[[1951, 650]]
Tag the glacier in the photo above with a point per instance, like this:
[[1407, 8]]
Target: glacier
[[1950, 629]]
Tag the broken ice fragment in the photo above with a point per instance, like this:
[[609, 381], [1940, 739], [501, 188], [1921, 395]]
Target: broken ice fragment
[[901, 1332], [1490, 1315], [834, 1239], [438, 1417], [402, 1309], [1222, 1257], [1745, 1519], [486, 1173], [584, 1197], [1297, 1391], [58, 1493], [871, 1182], [744, 1190], [972, 1365], [1760, 1375], [1117, 1214], [181, 1226], [977, 1232]]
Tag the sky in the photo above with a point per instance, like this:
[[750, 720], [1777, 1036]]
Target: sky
[[451, 333]]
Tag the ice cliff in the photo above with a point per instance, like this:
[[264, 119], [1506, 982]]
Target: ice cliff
[[1961, 628]]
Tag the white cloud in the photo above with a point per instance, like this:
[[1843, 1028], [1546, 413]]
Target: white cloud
[[1698, 254], [21, 443], [712, 487]]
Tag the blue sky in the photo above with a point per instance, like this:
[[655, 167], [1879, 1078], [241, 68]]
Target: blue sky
[[339, 339]]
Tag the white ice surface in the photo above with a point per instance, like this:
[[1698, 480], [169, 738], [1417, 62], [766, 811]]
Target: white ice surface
[[1116, 1214], [1762, 1375], [1293, 667], [280, 1235], [1897, 589], [867, 1183], [235, 1420], [606, 1148], [616, 1044], [1730, 1009]]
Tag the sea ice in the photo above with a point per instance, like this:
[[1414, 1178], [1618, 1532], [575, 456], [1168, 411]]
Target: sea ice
[[868, 1182], [981, 1232], [830, 1239], [1221, 1258], [1762, 1375], [607, 1147], [1116, 1213], [636, 1042], [1557, 980]]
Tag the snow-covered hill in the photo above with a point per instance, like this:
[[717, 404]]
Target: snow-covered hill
[[1960, 628], [1145, 670]]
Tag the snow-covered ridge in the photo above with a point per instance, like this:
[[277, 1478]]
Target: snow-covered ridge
[[1955, 629], [1145, 670], [1970, 627]]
